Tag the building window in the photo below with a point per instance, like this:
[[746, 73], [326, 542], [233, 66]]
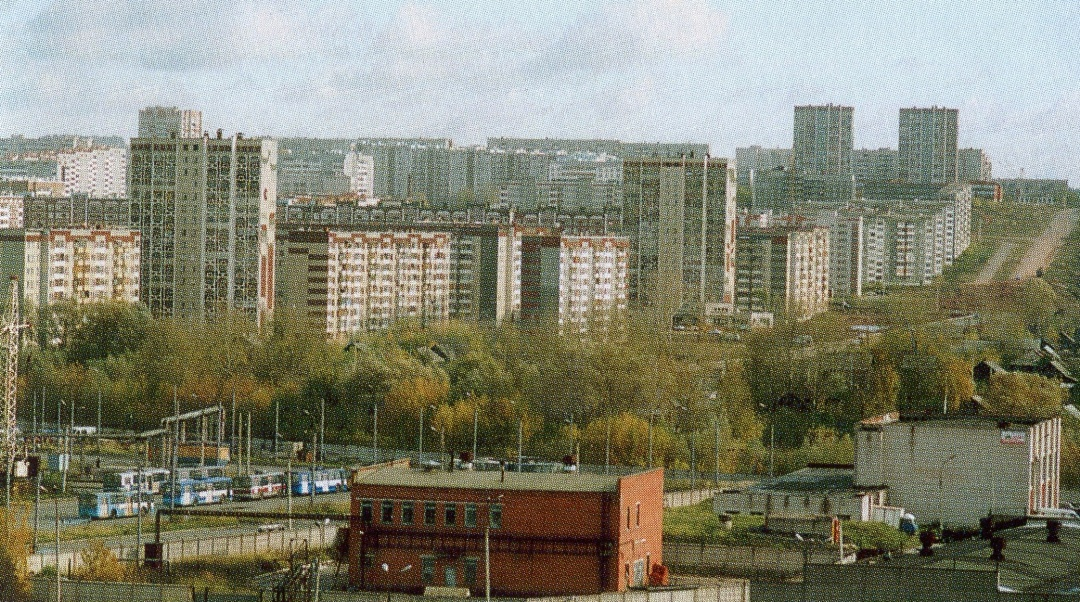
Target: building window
[[628, 517], [387, 512], [637, 520], [495, 516], [429, 513], [406, 513], [449, 514], [471, 565], [470, 515], [365, 511], [427, 569]]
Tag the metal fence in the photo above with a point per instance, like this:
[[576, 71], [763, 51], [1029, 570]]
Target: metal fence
[[44, 590], [316, 536]]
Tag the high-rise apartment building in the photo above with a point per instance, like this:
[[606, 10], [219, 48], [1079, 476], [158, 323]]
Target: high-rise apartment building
[[927, 150], [170, 122], [205, 207], [878, 165], [96, 172], [592, 281], [782, 270], [823, 140], [360, 169], [973, 165], [679, 215], [84, 265], [11, 211], [758, 159]]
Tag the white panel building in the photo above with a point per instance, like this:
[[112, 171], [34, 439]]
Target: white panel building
[[592, 280], [83, 265], [11, 211], [360, 169], [95, 172], [376, 278]]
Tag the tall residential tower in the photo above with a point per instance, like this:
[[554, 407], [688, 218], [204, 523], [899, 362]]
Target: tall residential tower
[[928, 145]]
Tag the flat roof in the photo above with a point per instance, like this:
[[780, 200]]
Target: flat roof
[[810, 480], [487, 480]]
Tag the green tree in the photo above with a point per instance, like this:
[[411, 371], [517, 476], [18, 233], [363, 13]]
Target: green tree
[[14, 580]]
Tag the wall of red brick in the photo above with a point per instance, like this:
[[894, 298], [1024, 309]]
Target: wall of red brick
[[526, 514], [642, 540]]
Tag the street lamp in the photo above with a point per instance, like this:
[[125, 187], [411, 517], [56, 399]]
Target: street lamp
[[652, 413], [941, 491], [423, 410]]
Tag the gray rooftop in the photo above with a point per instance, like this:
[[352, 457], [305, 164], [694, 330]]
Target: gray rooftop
[[488, 480], [811, 479]]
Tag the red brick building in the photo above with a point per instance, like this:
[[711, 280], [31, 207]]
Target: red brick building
[[550, 534]]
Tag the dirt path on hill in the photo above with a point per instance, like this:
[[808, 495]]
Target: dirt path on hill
[[1042, 249]]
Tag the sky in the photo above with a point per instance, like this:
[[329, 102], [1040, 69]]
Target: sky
[[725, 73]]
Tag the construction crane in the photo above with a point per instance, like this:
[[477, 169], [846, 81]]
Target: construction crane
[[10, 331]]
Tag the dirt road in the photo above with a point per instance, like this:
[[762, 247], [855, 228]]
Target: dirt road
[[992, 265], [1042, 249]]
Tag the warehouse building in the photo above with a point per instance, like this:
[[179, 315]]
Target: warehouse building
[[547, 534], [955, 470]]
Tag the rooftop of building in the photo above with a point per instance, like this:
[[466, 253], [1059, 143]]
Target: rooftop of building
[[1031, 563], [815, 478], [495, 480], [950, 419]]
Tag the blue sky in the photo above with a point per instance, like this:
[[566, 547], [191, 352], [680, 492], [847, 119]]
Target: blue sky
[[727, 73]]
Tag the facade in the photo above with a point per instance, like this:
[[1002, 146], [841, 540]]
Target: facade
[[206, 210], [757, 159], [346, 282], [96, 172], [973, 165], [170, 122], [845, 251], [955, 470], [823, 141], [547, 534], [782, 270], [84, 265], [679, 215], [927, 150], [11, 211], [881, 164], [75, 211], [1032, 190], [360, 169], [592, 281], [812, 492]]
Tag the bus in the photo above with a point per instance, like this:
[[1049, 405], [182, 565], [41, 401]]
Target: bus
[[200, 472], [327, 480], [194, 492], [113, 504], [125, 480], [259, 485]]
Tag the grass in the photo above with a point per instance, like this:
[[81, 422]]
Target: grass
[[699, 524], [101, 529], [234, 574], [1011, 261], [878, 536]]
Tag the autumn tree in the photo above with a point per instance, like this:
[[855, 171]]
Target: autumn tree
[[100, 564], [14, 580], [1023, 395]]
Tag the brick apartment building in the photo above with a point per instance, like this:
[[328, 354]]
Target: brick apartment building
[[549, 534]]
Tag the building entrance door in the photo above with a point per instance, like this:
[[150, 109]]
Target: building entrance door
[[451, 576], [639, 573]]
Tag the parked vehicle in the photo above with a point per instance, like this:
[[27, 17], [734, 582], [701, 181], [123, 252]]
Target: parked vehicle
[[152, 478], [327, 480], [113, 504], [259, 485], [194, 492]]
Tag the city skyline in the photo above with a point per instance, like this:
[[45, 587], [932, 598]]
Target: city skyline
[[666, 70]]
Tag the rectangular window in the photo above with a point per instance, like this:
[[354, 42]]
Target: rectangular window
[[495, 516], [406, 513], [365, 511], [387, 512], [427, 569], [637, 521], [471, 564], [470, 515], [450, 514], [628, 517], [429, 513]]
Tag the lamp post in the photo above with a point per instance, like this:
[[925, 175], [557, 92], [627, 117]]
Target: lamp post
[[941, 490], [421, 443], [375, 432], [772, 437]]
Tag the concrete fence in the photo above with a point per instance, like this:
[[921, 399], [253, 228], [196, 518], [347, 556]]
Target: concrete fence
[[678, 499], [740, 561], [316, 536], [44, 590], [732, 591]]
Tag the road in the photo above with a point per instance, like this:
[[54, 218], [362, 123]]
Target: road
[[992, 265], [1042, 249]]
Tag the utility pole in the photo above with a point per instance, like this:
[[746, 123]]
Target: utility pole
[[99, 422], [487, 562], [173, 457], [421, 444], [138, 514], [607, 445], [314, 434], [520, 429], [322, 430], [277, 425], [232, 429], [288, 478], [651, 414], [64, 458], [375, 433], [475, 428], [37, 509], [716, 465], [247, 454], [56, 555]]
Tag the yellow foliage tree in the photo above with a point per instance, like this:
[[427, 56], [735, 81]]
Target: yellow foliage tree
[[14, 580], [100, 564]]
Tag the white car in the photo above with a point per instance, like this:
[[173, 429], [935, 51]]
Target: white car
[[1058, 513]]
